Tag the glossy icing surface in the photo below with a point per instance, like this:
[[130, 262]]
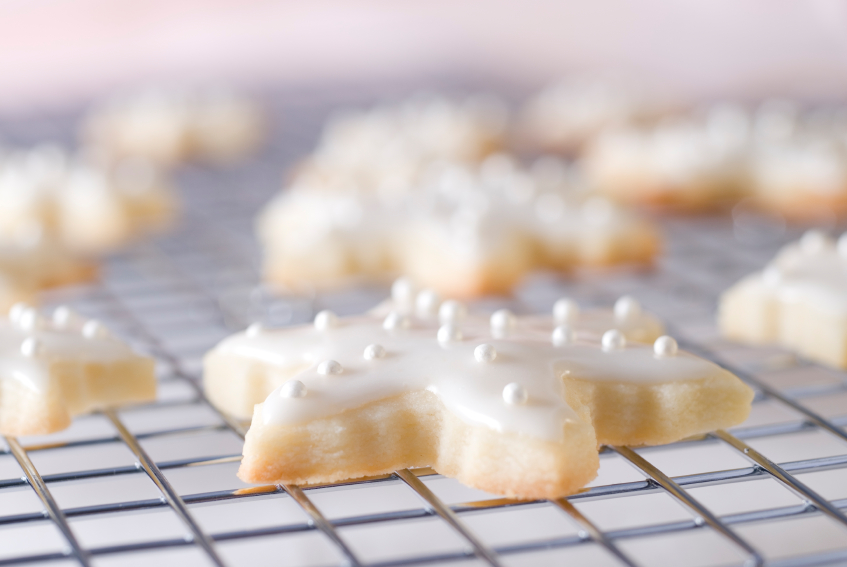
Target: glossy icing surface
[[510, 382]]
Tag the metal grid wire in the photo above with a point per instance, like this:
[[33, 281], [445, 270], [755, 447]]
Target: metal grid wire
[[156, 483]]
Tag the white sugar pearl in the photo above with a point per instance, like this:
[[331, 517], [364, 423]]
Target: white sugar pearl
[[627, 308], [563, 335], [17, 310], [396, 321], [565, 311], [842, 246], [427, 303], [29, 320], [449, 333], [772, 275], [373, 352], [452, 311], [485, 353], [254, 330], [403, 292], [515, 394], [326, 319], [329, 367], [613, 340], [94, 329], [814, 241], [31, 347], [665, 346], [64, 317], [502, 322], [293, 389]]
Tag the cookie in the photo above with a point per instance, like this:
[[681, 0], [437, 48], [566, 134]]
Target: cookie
[[84, 206], [503, 404], [565, 116], [169, 127], [798, 301], [52, 370], [462, 230]]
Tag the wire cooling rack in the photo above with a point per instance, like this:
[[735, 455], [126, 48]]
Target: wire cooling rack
[[156, 484]]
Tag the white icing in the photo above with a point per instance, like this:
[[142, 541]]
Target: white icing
[[473, 377], [812, 271]]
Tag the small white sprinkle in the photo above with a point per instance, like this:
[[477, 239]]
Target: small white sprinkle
[[514, 394], [396, 321], [94, 329], [373, 352], [565, 311], [665, 347], [328, 367], [17, 310], [613, 340], [403, 293], [254, 330], [427, 303], [814, 242], [563, 335], [31, 347], [627, 308], [29, 320], [449, 333], [485, 353], [326, 319], [842, 245], [452, 311], [64, 316], [502, 322], [293, 389]]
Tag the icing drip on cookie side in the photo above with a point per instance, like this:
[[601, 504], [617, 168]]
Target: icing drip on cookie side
[[29, 343], [509, 382]]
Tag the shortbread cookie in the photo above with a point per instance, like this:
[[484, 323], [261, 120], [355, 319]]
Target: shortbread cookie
[[798, 301], [503, 405], [169, 127], [567, 115], [83, 206], [461, 230], [52, 370]]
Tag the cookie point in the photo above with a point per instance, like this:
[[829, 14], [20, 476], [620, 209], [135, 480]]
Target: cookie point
[[374, 351], [94, 329], [452, 311], [613, 340], [565, 310], [563, 335], [627, 308], [293, 389], [665, 346], [396, 321], [449, 333], [254, 330], [515, 394], [326, 319], [427, 303], [814, 241], [485, 353], [31, 347], [502, 321], [328, 367]]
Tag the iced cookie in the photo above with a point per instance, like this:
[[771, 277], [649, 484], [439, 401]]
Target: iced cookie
[[168, 127], [52, 370], [462, 230], [83, 206], [798, 301], [503, 404]]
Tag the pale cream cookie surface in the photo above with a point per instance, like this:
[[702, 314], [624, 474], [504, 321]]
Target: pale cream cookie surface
[[52, 370], [798, 301], [507, 404]]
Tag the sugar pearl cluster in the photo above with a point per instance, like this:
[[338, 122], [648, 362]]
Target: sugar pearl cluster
[[26, 318]]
